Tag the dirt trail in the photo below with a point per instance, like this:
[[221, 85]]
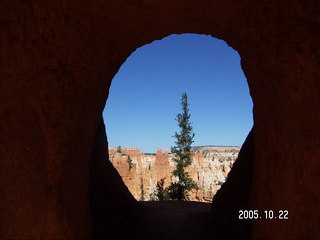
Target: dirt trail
[[174, 221]]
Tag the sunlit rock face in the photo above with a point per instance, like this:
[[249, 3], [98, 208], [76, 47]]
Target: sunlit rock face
[[57, 62], [141, 172]]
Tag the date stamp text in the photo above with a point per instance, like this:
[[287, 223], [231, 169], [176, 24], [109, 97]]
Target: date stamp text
[[266, 214]]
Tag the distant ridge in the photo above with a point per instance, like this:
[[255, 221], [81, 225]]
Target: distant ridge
[[193, 148], [213, 146], [153, 154]]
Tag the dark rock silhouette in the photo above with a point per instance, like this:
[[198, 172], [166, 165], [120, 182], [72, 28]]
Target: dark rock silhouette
[[234, 195], [106, 195]]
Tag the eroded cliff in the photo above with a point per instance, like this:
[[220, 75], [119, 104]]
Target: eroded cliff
[[141, 172]]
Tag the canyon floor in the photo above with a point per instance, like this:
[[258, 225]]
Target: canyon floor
[[174, 221]]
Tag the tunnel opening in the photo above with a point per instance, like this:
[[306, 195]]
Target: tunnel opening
[[137, 166], [144, 99]]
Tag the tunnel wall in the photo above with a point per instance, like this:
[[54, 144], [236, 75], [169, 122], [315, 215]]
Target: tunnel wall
[[113, 207], [57, 62], [234, 195]]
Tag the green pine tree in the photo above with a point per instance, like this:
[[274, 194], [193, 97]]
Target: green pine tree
[[160, 193], [119, 150], [182, 151]]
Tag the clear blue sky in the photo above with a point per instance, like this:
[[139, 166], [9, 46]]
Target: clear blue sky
[[145, 94]]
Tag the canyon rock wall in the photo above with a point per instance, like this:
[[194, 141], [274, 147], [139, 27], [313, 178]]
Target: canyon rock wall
[[141, 172]]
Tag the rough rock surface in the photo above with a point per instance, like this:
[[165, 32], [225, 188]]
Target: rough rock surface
[[57, 62], [234, 195], [102, 193], [209, 169]]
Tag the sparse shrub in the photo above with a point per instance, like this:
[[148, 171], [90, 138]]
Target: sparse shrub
[[119, 150], [219, 183], [142, 190], [130, 162]]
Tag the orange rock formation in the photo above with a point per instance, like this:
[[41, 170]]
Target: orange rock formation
[[142, 175]]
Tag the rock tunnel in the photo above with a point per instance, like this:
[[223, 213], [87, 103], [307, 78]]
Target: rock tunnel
[[57, 62]]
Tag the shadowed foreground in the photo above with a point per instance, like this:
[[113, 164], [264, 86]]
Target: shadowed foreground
[[174, 220], [146, 220]]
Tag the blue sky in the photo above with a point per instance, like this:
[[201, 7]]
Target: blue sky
[[145, 94]]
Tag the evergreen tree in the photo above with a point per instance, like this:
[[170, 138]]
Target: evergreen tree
[[119, 150], [182, 151], [160, 193]]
